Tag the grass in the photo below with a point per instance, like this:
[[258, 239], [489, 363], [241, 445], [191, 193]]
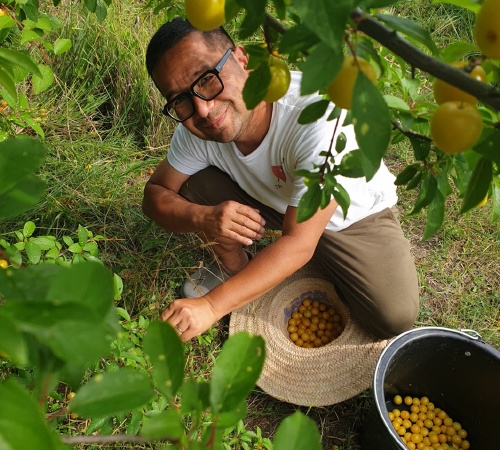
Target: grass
[[104, 134]]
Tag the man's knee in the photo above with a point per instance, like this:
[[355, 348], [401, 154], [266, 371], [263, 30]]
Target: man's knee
[[394, 317]]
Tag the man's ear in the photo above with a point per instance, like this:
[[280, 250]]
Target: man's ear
[[241, 56]]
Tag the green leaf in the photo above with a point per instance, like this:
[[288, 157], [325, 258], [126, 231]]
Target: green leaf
[[8, 84], [343, 199], [421, 148], [325, 18], [407, 174], [20, 59], [236, 370], [280, 6], [479, 184], [195, 396], [427, 193], [164, 348], [340, 142], [22, 426], [313, 112], [297, 432], [18, 158], [230, 418], [471, 5], [91, 5], [368, 4], [435, 215], [44, 81], [415, 182], [61, 45], [489, 146], [495, 213], [296, 39], [320, 68], [231, 9], [396, 103], [309, 203], [29, 228], [83, 235], [254, 17], [165, 425], [87, 283], [28, 35], [411, 29], [372, 123], [111, 393], [457, 51], [256, 85], [6, 21], [33, 252], [351, 165], [12, 343]]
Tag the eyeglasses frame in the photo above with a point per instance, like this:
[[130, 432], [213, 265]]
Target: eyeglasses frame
[[190, 93]]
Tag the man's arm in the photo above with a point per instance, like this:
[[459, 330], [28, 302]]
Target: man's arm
[[227, 221], [267, 269]]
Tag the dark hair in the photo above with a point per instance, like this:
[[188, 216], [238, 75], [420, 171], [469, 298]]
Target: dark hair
[[170, 33]]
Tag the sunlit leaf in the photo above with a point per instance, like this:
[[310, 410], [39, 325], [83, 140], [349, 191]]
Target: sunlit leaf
[[112, 392], [472, 5], [410, 28], [164, 348], [8, 84], [20, 59], [41, 83], [297, 432], [61, 45], [236, 370]]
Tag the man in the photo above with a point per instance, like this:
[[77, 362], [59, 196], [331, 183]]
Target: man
[[230, 174]]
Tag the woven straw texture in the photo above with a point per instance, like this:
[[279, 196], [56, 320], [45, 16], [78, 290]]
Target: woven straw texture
[[308, 376]]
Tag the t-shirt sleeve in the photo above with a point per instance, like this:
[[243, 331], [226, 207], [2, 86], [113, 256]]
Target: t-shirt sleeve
[[187, 153]]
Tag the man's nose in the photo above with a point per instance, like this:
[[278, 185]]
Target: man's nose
[[202, 107]]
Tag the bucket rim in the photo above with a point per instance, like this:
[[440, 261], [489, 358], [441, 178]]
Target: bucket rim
[[468, 333]]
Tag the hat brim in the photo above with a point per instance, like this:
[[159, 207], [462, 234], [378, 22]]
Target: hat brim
[[308, 376]]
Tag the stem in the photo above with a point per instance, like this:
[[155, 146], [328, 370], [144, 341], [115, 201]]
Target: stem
[[112, 439]]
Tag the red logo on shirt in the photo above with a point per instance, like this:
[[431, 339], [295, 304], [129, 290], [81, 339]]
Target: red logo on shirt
[[279, 172]]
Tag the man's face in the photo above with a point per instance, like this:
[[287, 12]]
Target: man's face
[[222, 119]]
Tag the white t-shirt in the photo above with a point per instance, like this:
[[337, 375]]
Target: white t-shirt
[[268, 173]]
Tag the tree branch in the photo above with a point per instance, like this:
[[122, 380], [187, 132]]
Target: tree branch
[[485, 93]]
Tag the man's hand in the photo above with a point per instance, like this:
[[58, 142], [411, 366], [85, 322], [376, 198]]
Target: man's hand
[[190, 317], [232, 222]]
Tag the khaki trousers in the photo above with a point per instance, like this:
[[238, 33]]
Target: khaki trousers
[[369, 262]]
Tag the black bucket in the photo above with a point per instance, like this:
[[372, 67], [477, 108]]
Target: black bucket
[[457, 370]]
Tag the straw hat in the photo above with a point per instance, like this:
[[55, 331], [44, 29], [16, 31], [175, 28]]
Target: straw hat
[[308, 376]]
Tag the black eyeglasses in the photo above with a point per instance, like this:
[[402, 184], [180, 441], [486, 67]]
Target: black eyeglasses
[[207, 86]]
